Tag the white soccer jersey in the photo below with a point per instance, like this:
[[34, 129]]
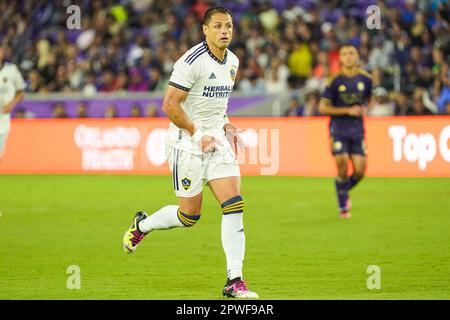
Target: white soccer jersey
[[11, 81], [209, 83]]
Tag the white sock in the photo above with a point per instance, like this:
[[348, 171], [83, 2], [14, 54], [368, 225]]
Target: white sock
[[233, 242], [164, 218]]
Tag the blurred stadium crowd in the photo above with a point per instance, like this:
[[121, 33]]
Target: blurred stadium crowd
[[285, 47]]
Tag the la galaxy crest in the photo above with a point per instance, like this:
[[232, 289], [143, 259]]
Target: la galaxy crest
[[186, 183], [232, 74]]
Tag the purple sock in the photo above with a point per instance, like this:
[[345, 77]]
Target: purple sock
[[342, 194], [353, 181]]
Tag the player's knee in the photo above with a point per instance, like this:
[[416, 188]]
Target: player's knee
[[358, 175], [233, 205], [359, 172], [188, 220], [342, 173]]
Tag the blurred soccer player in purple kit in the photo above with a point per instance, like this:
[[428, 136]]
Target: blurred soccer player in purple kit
[[346, 99]]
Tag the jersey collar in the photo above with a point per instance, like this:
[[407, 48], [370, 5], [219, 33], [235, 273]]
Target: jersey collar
[[213, 56]]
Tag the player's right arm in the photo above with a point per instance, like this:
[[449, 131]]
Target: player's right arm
[[172, 107]]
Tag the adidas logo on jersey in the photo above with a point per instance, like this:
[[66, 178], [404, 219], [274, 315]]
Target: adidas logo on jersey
[[212, 76]]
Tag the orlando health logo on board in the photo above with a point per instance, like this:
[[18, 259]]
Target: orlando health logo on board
[[107, 148]]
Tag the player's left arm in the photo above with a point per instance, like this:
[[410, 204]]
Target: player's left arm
[[19, 84], [370, 98], [370, 104], [232, 132], [232, 135]]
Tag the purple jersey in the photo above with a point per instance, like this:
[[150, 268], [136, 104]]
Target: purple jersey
[[345, 91]]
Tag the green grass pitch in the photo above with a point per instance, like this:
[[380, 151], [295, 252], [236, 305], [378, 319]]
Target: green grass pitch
[[297, 248]]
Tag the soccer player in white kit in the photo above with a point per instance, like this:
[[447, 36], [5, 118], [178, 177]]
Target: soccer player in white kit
[[201, 147], [12, 88]]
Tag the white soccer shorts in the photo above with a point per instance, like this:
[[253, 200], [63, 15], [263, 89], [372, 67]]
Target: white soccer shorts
[[190, 171]]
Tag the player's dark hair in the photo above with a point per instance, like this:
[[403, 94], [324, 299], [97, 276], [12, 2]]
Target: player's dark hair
[[213, 10]]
